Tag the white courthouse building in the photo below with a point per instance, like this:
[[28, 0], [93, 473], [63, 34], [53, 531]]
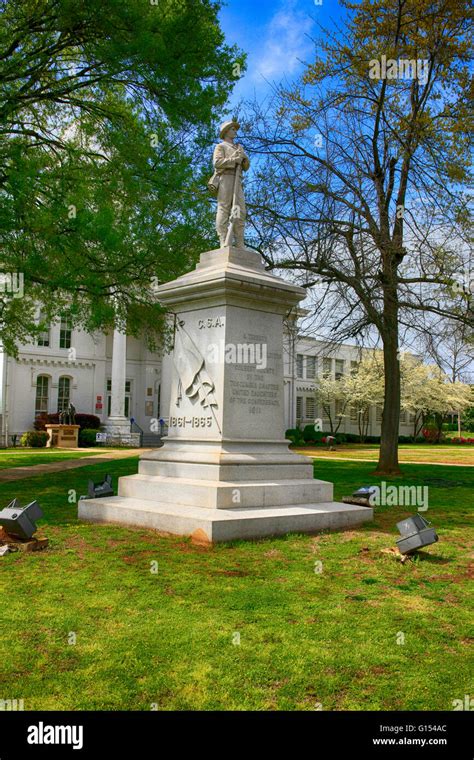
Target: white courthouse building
[[68, 365]]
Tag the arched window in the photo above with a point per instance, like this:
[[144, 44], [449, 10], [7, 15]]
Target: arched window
[[42, 395], [64, 393]]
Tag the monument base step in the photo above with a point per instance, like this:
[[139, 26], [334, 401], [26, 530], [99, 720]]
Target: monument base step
[[224, 495], [221, 524]]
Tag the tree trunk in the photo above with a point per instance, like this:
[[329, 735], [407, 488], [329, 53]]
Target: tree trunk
[[388, 457], [439, 418], [329, 415], [364, 420]]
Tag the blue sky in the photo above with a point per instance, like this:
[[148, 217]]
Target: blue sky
[[276, 35]]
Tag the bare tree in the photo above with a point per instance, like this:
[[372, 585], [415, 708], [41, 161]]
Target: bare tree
[[361, 184]]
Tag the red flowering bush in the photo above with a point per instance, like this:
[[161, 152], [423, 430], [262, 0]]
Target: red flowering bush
[[430, 434], [85, 421]]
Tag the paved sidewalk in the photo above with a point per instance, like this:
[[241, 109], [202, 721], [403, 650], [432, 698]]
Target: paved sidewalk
[[20, 473]]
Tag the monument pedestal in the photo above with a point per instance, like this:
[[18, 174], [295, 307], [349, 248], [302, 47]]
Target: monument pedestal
[[118, 432], [62, 436], [225, 468]]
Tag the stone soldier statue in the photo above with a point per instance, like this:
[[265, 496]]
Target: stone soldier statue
[[229, 160], [72, 414], [68, 416]]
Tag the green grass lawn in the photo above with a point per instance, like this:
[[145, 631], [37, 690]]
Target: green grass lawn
[[443, 453], [307, 639], [30, 457]]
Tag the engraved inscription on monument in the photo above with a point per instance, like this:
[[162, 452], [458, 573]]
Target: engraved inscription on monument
[[254, 390]]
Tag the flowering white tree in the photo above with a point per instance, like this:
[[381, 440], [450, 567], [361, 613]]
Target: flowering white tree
[[333, 397], [427, 391], [360, 390], [365, 388]]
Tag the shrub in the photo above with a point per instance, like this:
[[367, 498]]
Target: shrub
[[87, 437], [37, 439], [311, 437], [40, 422], [309, 434], [88, 421], [352, 438], [295, 435], [450, 426], [85, 421], [430, 434]]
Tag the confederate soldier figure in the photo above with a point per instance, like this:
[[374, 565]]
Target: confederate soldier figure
[[68, 416], [229, 160], [72, 414]]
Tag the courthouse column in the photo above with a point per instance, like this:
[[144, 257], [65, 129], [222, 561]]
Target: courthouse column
[[117, 425]]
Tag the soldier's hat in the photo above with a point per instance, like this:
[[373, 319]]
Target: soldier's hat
[[226, 126]]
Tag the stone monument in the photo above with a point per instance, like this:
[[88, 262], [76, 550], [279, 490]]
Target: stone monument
[[226, 470], [64, 435]]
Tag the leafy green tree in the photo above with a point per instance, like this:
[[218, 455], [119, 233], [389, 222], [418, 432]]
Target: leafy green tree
[[106, 117], [467, 420]]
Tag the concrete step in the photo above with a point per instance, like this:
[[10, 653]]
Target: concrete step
[[151, 441], [226, 472], [224, 525], [214, 494]]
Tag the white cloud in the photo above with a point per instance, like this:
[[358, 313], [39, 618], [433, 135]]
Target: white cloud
[[285, 43]]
